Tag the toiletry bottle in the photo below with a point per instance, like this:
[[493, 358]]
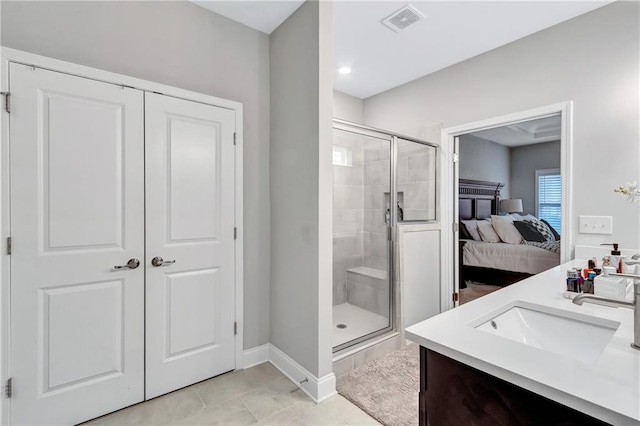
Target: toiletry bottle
[[588, 286], [400, 213], [580, 279], [589, 268], [588, 283], [621, 265], [572, 281], [616, 259]]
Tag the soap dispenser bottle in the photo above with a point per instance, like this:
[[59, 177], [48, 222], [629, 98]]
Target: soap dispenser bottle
[[616, 259]]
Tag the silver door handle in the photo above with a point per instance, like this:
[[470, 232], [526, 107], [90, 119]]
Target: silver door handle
[[133, 263], [158, 261]]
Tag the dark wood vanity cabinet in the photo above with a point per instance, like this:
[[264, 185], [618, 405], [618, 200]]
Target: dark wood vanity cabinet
[[454, 394]]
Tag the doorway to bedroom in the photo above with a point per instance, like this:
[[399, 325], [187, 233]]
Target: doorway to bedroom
[[509, 202]]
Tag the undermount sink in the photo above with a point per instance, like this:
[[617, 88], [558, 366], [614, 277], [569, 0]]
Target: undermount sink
[[571, 334]]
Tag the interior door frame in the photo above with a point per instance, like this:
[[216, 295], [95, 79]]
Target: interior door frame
[[448, 156], [8, 55]]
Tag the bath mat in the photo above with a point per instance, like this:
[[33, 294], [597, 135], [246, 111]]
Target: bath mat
[[386, 388], [476, 290]]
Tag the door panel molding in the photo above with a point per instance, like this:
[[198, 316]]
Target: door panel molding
[[52, 299], [54, 147]]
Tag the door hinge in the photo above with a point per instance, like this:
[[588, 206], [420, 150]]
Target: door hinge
[[455, 157], [234, 138], [7, 101], [235, 328], [455, 226], [235, 233], [9, 245], [8, 389], [455, 296]]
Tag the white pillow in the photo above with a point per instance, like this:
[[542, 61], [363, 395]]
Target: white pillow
[[487, 233], [520, 217], [472, 228], [505, 229]]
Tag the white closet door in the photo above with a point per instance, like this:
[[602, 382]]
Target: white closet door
[[77, 324], [190, 220]]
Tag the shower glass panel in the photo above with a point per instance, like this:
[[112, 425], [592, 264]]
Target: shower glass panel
[[416, 170], [362, 217]]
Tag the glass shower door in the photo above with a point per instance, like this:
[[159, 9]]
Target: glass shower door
[[416, 181], [362, 217]]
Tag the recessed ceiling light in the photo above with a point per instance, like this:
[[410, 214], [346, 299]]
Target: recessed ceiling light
[[344, 70]]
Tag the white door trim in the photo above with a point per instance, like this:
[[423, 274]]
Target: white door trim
[[5, 272], [12, 55], [565, 109]]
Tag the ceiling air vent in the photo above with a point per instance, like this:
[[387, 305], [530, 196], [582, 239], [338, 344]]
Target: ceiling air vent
[[402, 18]]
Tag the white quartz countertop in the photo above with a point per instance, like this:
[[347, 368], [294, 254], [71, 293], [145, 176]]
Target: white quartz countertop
[[607, 389]]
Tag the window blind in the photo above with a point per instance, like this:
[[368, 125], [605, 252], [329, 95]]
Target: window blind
[[549, 197]]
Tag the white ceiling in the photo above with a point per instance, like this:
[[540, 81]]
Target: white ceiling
[[262, 15], [530, 132], [451, 32]]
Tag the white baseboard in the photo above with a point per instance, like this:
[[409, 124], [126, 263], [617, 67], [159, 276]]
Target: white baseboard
[[318, 389], [255, 356]]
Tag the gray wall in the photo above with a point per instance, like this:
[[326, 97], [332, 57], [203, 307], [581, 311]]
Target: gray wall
[[481, 159], [183, 45], [301, 98], [591, 60], [347, 107], [525, 160]]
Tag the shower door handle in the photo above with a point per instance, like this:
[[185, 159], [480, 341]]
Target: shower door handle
[[389, 233]]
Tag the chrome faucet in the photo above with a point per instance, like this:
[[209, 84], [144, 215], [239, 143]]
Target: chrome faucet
[[635, 305]]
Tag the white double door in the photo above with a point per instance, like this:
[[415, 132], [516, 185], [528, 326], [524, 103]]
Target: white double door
[[103, 180]]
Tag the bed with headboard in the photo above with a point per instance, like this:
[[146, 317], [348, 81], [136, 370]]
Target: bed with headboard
[[496, 263]]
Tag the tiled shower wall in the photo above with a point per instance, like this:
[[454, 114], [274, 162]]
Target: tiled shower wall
[[347, 214], [417, 180], [416, 193], [376, 184]]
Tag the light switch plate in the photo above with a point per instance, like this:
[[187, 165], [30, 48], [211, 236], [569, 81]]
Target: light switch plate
[[596, 225]]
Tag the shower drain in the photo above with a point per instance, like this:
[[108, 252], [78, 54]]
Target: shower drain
[[341, 325]]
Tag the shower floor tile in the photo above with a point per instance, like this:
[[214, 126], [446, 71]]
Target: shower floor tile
[[358, 321]]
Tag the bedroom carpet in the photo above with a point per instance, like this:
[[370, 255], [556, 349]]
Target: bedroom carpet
[[474, 290], [386, 388]]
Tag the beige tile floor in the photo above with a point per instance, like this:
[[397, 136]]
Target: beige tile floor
[[260, 395]]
